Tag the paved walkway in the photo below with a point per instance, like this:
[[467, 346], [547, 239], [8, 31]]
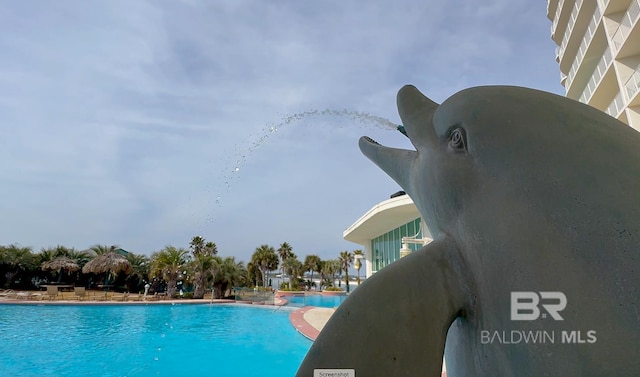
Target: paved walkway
[[309, 320]]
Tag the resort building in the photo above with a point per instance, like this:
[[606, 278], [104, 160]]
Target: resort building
[[388, 231], [599, 54]]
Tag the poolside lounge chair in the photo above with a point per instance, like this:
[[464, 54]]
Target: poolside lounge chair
[[80, 293], [23, 295], [135, 297], [52, 292], [98, 295], [119, 297]]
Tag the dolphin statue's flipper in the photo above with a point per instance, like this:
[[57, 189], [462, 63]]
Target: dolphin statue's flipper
[[374, 330]]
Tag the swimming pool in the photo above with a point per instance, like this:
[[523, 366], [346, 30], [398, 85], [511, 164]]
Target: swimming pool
[[315, 300], [148, 340]]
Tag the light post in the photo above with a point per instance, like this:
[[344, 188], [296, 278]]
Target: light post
[[357, 264]]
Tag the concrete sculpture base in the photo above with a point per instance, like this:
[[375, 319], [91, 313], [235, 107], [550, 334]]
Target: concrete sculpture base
[[534, 204]]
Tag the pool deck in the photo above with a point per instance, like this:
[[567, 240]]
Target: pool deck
[[309, 320]]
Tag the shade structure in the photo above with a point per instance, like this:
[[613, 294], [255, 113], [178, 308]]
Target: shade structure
[[108, 262], [60, 263]]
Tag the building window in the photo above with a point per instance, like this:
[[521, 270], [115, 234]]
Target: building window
[[387, 246]]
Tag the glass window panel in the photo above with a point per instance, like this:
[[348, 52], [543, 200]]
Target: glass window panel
[[411, 228]]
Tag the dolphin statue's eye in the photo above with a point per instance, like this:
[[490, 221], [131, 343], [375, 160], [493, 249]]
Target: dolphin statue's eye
[[457, 141]]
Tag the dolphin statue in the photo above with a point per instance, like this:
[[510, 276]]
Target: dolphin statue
[[533, 201]]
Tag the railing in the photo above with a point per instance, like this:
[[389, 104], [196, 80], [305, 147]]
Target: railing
[[556, 18], [629, 18], [570, 25], [633, 84], [596, 76], [327, 300], [582, 50], [616, 106], [254, 296], [632, 13]]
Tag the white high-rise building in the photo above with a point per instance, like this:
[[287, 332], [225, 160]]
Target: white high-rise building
[[599, 53]]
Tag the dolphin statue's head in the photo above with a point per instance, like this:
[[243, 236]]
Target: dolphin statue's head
[[522, 190]]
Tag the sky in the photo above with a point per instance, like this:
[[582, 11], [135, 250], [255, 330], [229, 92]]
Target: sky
[[145, 123]]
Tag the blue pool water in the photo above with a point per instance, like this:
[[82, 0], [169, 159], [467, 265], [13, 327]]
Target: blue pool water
[[150, 340], [316, 300]]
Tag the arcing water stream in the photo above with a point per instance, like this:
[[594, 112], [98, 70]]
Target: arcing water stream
[[239, 158]]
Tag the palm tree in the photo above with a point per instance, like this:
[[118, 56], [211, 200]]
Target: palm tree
[[19, 260], [328, 271], [139, 271], [346, 258], [80, 257], [54, 252], [197, 245], [284, 252], [358, 255], [311, 264], [323, 274], [253, 273], [293, 268], [46, 255], [336, 268], [103, 249], [169, 263], [211, 248], [203, 267], [265, 259], [231, 274]]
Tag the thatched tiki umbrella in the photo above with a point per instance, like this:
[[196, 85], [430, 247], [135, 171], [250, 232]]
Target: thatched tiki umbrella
[[110, 262], [59, 264]]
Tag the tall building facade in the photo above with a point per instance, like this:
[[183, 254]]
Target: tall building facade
[[599, 53]]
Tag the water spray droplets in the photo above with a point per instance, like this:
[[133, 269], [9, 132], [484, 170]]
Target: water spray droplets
[[232, 171], [344, 113]]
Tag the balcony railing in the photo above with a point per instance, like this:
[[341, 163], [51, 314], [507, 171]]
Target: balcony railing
[[598, 72], [556, 18], [616, 106], [632, 13], [570, 24], [586, 40], [629, 18], [633, 84]]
